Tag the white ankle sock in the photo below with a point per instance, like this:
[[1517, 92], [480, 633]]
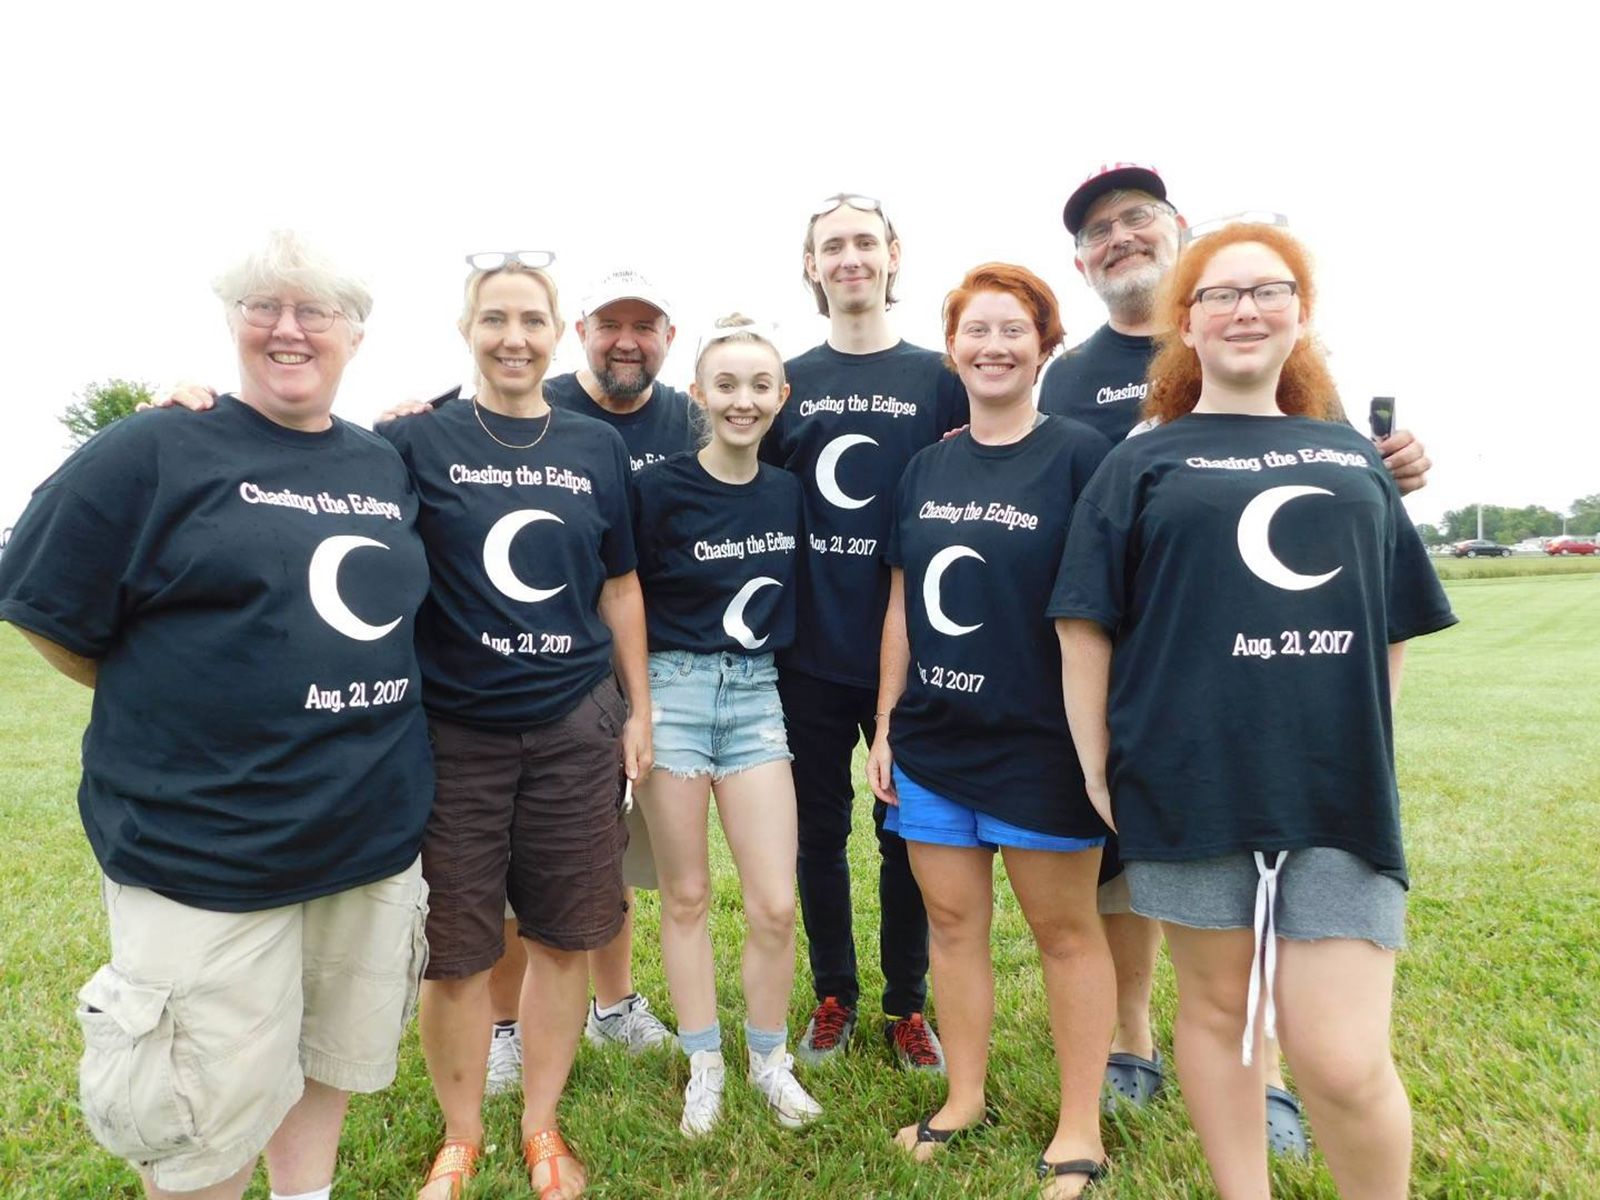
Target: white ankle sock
[[320, 1194], [617, 1009]]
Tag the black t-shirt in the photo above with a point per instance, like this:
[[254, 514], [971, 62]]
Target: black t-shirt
[[257, 737], [519, 543], [1100, 382], [1253, 571], [851, 425], [717, 560], [668, 424], [979, 530]]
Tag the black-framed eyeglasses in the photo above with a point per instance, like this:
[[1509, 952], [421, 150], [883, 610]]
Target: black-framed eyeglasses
[[852, 199], [1135, 216], [493, 260], [1248, 217], [264, 312], [1273, 296]]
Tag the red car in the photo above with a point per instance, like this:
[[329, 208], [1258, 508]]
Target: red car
[[1571, 545]]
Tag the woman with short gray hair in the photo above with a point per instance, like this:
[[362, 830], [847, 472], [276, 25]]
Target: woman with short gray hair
[[256, 768]]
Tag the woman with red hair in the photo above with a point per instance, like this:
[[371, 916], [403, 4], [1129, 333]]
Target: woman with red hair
[[972, 751], [1236, 592]]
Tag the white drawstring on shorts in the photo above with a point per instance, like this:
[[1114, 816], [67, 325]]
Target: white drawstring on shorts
[[1266, 951]]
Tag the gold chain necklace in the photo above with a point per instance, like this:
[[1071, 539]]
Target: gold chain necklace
[[550, 416]]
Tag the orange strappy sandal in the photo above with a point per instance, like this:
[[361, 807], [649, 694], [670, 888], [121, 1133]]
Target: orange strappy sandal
[[546, 1146], [456, 1161]]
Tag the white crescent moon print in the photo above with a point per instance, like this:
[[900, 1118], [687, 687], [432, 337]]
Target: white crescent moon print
[[323, 579], [733, 622], [828, 464], [497, 555], [930, 590], [1254, 525]]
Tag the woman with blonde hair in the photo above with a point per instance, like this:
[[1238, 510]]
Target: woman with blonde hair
[[719, 536], [533, 617]]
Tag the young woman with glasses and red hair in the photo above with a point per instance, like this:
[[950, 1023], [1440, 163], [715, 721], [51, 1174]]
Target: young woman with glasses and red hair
[[1233, 603]]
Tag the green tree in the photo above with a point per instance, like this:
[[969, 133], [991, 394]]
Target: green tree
[[1431, 535], [1501, 524], [1585, 518], [101, 404]]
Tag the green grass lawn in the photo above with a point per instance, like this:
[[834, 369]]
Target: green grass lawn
[[1498, 1012]]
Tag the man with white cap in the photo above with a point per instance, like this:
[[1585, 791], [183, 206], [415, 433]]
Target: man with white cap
[[626, 330], [1126, 237]]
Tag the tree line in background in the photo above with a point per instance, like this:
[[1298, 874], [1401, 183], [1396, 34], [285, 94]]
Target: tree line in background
[[1511, 525], [100, 404]]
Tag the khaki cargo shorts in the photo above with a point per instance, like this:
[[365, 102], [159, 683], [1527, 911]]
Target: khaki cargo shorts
[[200, 1031]]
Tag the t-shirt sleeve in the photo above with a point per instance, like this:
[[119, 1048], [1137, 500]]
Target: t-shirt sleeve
[[1050, 398], [397, 432], [67, 572], [771, 450], [954, 408], [891, 544], [644, 516], [1417, 603], [1091, 581], [616, 501]]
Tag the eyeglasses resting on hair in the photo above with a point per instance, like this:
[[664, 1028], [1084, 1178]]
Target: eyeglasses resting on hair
[[493, 260], [840, 199], [1249, 217]]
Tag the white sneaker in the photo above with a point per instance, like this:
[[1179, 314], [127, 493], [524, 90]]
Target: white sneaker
[[505, 1060], [702, 1099], [773, 1077], [635, 1027]]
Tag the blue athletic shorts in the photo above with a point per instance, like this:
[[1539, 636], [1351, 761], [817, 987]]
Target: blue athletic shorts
[[924, 816]]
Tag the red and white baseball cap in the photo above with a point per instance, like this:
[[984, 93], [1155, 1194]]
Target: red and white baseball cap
[[1110, 177]]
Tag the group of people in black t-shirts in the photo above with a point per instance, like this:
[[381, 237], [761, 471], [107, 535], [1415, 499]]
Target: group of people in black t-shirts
[[381, 714]]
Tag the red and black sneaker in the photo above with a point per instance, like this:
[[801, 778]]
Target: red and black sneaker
[[915, 1045], [828, 1031]]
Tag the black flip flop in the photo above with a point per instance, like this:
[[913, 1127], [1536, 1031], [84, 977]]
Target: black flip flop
[[1095, 1171], [927, 1134]]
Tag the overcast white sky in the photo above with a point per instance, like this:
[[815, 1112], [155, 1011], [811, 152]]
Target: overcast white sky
[[1440, 164]]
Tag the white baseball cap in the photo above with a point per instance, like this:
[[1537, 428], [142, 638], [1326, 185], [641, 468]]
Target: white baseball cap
[[625, 284]]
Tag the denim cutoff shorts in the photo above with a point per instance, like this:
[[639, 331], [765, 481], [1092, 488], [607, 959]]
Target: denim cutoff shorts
[[715, 714]]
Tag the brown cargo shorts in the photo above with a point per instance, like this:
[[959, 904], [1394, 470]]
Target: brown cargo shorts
[[533, 818]]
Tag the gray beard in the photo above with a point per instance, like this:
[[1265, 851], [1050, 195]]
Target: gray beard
[[1132, 297], [619, 389]]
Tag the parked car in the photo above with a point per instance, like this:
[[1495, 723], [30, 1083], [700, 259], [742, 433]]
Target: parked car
[[1480, 548], [1572, 545]]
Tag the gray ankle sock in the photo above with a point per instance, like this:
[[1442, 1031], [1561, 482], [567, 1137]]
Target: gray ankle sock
[[764, 1041], [709, 1038]]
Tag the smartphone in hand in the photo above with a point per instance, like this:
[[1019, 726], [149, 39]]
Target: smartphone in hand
[[1381, 416]]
